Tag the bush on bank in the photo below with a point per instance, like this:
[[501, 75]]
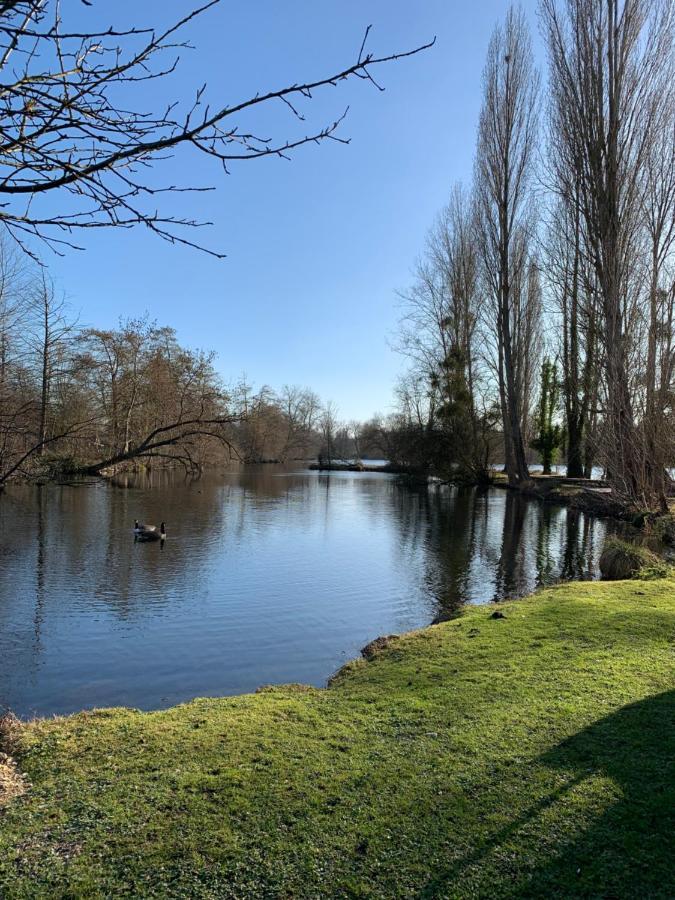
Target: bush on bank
[[620, 560]]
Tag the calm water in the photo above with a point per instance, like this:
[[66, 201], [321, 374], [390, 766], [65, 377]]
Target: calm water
[[266, 576]]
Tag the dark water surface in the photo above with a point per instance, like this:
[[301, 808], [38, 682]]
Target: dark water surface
[[267, 575]]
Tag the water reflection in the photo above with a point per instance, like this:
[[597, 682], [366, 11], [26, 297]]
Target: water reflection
[[485, 545], [267, 575]]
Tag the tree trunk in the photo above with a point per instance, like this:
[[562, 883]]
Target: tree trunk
[[575, 459], [44, 393]]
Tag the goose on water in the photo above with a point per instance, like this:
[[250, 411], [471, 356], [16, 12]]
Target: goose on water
[[149, 532]]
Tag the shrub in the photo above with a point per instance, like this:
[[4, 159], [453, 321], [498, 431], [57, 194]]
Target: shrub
[[664, 528], [621, 560]]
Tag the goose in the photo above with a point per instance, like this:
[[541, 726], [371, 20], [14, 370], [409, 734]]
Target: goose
[[149, 532]]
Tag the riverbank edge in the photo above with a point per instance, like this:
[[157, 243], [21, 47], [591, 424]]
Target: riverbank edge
[[592, 497], [582, 494], [58, 758]]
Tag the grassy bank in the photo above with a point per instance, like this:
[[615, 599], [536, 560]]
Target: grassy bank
[[484, 757]]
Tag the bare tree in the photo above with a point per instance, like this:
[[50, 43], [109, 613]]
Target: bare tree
[[329, 427], [32, 334], [15, 281], [610, 62], [49, 329], [300, 408], [355, 433], [262, 432], [526, 329], [504, 166], [659, 219], [71, 124], [154, 400], [572, 286], [35, 354], [439, 335]]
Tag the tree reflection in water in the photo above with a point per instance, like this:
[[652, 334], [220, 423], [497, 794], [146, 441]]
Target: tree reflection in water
[[268, 574]]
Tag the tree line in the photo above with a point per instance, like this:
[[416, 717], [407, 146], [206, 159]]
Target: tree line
[[542, 312], [76, 399]]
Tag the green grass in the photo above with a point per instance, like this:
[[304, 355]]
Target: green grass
[[526, 756]]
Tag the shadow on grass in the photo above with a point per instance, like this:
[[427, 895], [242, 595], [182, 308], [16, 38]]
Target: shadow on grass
[[626, 850]]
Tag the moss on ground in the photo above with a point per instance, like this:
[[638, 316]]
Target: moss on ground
[[530, 755]]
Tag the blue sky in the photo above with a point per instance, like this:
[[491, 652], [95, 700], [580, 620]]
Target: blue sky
[[317, 247]]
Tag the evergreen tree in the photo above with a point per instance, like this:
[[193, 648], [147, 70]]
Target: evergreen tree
[[549, 436]]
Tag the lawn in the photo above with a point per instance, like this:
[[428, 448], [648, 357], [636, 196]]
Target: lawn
[[531, 755]]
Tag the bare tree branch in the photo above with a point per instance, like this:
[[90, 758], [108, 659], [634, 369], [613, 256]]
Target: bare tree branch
[[69, 125]]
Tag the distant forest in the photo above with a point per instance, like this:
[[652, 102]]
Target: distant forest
[[85, 399]]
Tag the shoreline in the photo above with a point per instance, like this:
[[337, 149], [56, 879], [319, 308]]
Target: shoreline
[[592, 496], [388, 468], [449, 734], [366, 654]]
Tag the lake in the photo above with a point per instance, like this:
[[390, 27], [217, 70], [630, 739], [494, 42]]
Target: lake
[[268, 575]]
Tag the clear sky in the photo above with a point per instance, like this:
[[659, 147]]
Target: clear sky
[[317, 247]]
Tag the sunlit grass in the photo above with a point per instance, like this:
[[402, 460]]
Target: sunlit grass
[[529, 755]]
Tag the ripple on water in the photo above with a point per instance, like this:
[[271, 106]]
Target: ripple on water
[[267, 575]]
